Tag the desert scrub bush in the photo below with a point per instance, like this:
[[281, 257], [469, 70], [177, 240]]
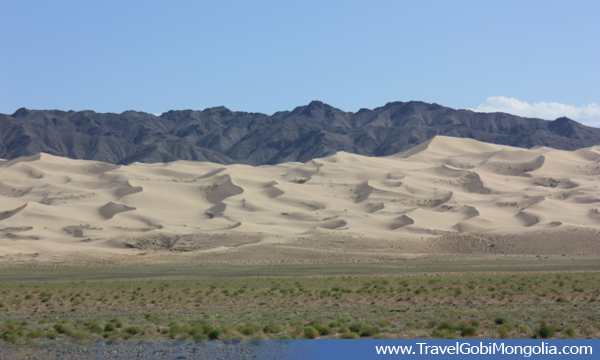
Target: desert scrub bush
[[446, 325], [523, 329], [248, 328], [310, 332], [61, 328], [272, 328], [10, 335], [45, 296], [383, 323], [334, 324], [79, 335], [117, 322], [444, 334], [546, 332], [570, 332], [324, 330], [51, 335], [214, 334], [500, 320], [95, 329], [588, 330], [503, 330], [356, 327], [35, 334], [468, 331], [175, 331], [197, 333], [350, 335], [110, 327], [134, 330], [368, 331], [430, 324]]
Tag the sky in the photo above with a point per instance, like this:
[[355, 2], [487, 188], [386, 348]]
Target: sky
[[530, 58]]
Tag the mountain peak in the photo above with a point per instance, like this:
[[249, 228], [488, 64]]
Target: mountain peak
[[316, 104], [21, 113]]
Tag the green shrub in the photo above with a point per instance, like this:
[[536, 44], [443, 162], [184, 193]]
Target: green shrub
[[446, 325], [444, 334], [79, 335], [134, 330], [503, 331], [315, 323], [383, 322], [51, 335], [61, 328], [310, 332], [214, 334], [500, 320], [334, 324], [35, 334], [430, 324], [10, 335], [356, 327], [570, 332], [468, 331], [546, 332], [350, 335], [272, 328], [175, 330], [286, 337], [324, 330], [118, 323], [369, 331], [523, 329], [197, 333], [411, 325], [588, 330], [249, 328], [110, 327]]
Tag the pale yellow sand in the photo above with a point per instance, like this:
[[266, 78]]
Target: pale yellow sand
[[51, 206]]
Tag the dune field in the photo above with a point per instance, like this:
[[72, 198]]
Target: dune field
[[448, 195]]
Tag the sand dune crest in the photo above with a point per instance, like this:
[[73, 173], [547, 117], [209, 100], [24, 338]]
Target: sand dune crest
[[442, 187]]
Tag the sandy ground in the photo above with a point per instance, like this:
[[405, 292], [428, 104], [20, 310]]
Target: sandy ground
[[447, 195]]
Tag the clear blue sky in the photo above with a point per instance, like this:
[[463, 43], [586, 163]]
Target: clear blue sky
[[265, 56]]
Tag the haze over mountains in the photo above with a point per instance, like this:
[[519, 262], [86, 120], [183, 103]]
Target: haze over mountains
[[316, 130]]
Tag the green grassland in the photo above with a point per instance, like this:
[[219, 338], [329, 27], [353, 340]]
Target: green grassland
[[378, 301]]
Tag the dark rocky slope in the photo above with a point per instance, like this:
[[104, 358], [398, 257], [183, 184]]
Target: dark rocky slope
[[315, 130]]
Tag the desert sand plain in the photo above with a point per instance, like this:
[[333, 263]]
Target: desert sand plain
[[445, 196]]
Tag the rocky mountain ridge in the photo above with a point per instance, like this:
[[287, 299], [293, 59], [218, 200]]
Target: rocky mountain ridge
[[312, 131]]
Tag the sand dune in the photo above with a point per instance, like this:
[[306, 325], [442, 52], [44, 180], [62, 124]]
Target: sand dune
[[446, 186]]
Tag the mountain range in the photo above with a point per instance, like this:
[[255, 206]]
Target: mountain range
[[315, 130]]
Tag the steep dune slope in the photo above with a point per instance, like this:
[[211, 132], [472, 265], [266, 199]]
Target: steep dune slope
[[51, 205]]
